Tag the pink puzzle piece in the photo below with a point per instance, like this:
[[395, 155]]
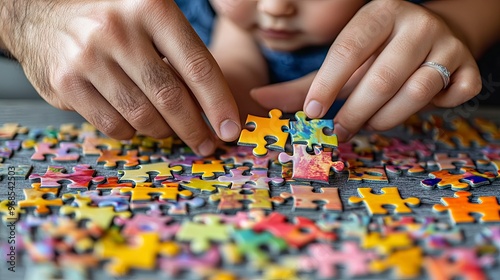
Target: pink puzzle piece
[[80, 178], [305, 198], [110, 158], [60, 154], [311, 167], [324, 260]]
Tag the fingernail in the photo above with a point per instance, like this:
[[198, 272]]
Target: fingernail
[[206, 148], [229, 130], [342, 134], [314, 109]]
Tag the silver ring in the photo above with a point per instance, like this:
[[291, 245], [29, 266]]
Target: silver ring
[[443, 71]]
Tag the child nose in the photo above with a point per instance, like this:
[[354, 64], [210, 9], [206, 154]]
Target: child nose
[[277, 7]]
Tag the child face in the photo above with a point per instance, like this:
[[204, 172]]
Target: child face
[[288, 25]]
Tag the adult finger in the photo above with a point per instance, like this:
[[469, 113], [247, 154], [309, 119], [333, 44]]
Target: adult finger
[[89, 103], [397, 62], [361, 37], [128, 99], [178, 42]]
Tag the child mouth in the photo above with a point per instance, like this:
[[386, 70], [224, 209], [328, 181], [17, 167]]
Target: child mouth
[[277, 33]]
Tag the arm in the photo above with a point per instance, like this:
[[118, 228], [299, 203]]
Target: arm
[[476, 22], [126, 66], [241, 62]]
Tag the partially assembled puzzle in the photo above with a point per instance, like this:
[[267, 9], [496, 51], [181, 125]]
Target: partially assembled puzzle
[[287, 201]]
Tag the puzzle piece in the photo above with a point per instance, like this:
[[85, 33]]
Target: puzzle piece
[[200, 233], [463, 133], [469, 177], [251, 244], [265, 128], [368, 174], [37, 197], [455, 263], [180, 206], [112, 183], [205, 186], [444, 162], [98, 216], [168, 191], [93, 145], [110, 158], [80, 178], [305, 198], [390, 197], [488, 128], [185, 260], [114, 198], [460, 208], [257, 179], [406, 263], [14, 171], [232, 199], [60, 154], [312, 132], [152, 221], [388, 243], [208, 170], [160, 170], [9, 130], [324, 260], [298, 233], [311, 167], [141, 253]]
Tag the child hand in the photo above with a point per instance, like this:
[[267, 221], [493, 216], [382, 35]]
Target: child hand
[[378, 58], [125, 66]]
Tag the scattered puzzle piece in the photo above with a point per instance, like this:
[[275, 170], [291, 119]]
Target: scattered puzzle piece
[[368, 174], [10, 130], [160, 170], [406, 263], [202, 233], [311, 167], [257, 179], [460, 208], [265, 128], [208, 170], [141, 254], [232, 199], [38, 198], [168, 191], [305, 198], [80, 178], [60, 154], [389, 197], [469, 177], [110, 158]]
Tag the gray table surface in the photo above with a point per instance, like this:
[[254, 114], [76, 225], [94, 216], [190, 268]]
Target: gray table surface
[[38, 114]]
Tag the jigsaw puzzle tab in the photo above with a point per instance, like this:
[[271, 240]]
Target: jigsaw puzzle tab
[[389, 197], [272, 128], [469, 177], [80, 178]]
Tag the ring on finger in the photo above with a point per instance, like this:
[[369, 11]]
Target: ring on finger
[[443, 71]]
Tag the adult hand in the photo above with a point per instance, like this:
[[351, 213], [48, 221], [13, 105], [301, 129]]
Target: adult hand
[[379, 56], [126, 66]]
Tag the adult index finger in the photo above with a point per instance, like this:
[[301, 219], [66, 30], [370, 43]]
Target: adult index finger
[[360, 39], [178, 42]]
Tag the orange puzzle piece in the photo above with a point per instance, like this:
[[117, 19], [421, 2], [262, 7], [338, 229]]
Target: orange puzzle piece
[[460, 208]]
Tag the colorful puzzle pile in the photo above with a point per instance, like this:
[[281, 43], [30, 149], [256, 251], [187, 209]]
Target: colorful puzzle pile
[[287, 202]]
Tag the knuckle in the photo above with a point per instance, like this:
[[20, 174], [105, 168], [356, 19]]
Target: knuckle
[[199, 68], [169, 98], [109, 28], [381, 125], [139, 116], [420, 90], [108, 125], [382, 80], [347, 49], [64, 81]]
